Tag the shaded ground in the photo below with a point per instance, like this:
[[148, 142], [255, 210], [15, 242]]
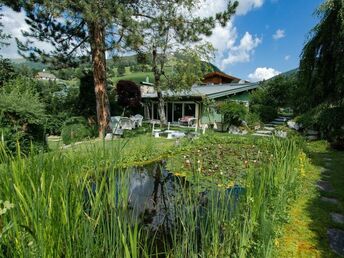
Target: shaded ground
[[306, 235]]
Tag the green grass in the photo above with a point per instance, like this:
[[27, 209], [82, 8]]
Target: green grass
[[306, 233], [49, 218], [135, 76]]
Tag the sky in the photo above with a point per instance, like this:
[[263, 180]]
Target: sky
[[264, 37]]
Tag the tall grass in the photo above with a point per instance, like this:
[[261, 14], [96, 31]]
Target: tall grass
[[75, 204]]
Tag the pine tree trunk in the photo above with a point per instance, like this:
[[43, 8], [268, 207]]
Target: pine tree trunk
[[97, 38], [161, 108], [161, 102]]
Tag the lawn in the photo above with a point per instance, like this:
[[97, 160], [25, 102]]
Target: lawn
[[134, 76]]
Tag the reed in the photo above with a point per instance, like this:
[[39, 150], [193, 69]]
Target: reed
[[75, 204]]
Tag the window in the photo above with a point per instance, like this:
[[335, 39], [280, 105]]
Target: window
[[189, 109]]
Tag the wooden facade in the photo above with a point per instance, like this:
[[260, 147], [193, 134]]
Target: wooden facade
[[219, 78]]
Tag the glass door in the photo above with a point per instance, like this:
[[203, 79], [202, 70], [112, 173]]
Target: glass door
[[177, 111]]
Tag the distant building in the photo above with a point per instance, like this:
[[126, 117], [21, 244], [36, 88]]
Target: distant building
[[45, 76], [219, 78]]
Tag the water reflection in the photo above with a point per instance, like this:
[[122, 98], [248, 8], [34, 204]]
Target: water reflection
[[152, 190]]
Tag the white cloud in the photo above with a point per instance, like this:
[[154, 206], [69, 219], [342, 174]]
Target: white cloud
[[241, 53], [247, 5], [278, 34], [263, 73], [14, 23], [224, 39], [210, 7], [286, 58]]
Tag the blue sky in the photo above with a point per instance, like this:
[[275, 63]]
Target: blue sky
[[264, 38], [294, 17]]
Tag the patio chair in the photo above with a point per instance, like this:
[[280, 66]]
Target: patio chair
[[138, 119], [126, 123], [187, 120], [115, 127]]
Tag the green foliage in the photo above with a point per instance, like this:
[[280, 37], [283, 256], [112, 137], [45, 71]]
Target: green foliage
[[121, 70], [60, 101], [329, 120], [87, 98], [322, 63], [22, 115], [252, 120], [172, 28], [76, 129], [265, 113], [3, 36], [7, 71], [233, 112], [273, 94], [188, 68], [50, 216]]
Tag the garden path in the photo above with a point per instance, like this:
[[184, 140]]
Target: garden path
[[335, 234], [270, 128]]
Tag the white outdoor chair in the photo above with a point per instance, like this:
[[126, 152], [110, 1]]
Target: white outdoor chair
[[138, 119], [126, 123]]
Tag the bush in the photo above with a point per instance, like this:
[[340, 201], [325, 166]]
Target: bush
[[329, 120], [22, 116], [233, 113], [129, 95], [76, 129], [252, 120], [266, 113]]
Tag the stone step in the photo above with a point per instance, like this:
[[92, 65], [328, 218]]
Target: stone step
[[330, 200], [281, 119], [325, 186], [336, 239], [337, 218], [263, 135], [269, 128], [264, 132], [277, 122], [269, 125]]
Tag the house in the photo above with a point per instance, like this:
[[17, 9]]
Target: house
[[219, 78], [45, 76], [196, 101]]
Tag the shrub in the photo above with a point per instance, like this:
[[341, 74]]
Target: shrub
[[329, 120], [266, 113], [129, 95], [252, 120], [22, 115], [233, 112], [76, 129]]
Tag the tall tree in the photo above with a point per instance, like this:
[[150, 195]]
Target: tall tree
[[77, 30], [322, 59], [3, 36], [170, 27]]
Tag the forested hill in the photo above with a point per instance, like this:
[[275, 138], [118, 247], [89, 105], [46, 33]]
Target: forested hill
[[119, 68]]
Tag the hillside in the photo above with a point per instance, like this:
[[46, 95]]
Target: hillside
[[17, 62], [126, 61]]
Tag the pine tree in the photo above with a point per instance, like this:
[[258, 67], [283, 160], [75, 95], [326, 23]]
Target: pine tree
[[170, 27], [77, 30], [3, 36]]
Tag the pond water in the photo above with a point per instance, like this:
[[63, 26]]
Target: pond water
[[156, 197], [153, 192]]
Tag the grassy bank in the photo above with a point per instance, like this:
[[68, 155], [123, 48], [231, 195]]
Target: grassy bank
[[306, 233], [49, 218]]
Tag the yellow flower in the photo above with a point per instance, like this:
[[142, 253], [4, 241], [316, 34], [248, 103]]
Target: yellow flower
[[276, 242]]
